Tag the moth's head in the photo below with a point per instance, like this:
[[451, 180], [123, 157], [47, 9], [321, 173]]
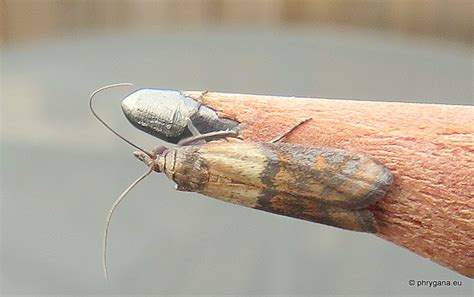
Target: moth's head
[[153, 159]]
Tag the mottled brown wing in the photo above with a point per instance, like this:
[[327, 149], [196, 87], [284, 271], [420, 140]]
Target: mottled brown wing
[[298, 207], [336, 177]]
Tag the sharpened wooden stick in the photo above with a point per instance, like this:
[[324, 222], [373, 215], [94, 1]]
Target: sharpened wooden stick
[[428, 147]]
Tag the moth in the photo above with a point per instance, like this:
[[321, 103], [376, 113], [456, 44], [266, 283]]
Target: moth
[[318, 184], [323, 185]]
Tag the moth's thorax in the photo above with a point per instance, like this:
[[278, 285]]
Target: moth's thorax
[[185, 166], [166, 162]]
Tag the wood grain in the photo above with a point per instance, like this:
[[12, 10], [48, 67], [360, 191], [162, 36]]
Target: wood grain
[[429, 148]]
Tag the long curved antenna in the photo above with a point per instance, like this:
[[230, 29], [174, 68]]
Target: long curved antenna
[[106, 125], [111, 212]]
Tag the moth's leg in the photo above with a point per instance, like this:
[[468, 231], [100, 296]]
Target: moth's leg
[[207, 136], [289, 131]]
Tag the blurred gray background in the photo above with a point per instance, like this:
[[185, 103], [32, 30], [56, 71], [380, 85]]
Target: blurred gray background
[[61, 170]]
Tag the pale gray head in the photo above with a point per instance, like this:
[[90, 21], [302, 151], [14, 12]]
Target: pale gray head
[[155, 161]]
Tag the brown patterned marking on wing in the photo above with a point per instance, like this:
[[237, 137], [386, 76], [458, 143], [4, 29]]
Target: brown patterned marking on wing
[[362, 220], [310, 210], [240, 162], [351, 182], [187, 168], [225, 189], [343, 178], [308, 171], [377, 176], [320, 163], [329, 177], [295, 175]]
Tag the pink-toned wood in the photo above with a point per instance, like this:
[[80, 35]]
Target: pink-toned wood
[[429, 148]]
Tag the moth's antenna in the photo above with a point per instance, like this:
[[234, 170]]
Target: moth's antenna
[[106, 125], [111, 212]]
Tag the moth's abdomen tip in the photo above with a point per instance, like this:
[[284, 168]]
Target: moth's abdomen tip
[[380, 186], [386, 179]]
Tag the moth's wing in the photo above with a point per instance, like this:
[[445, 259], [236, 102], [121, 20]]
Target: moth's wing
[[337, 177], [246, 174], [288, 205]]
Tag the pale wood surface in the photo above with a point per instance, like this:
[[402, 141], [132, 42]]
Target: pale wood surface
[[429, 148]]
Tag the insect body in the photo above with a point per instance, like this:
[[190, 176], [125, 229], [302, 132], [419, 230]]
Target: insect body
[[166, 114], [322, 185]]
